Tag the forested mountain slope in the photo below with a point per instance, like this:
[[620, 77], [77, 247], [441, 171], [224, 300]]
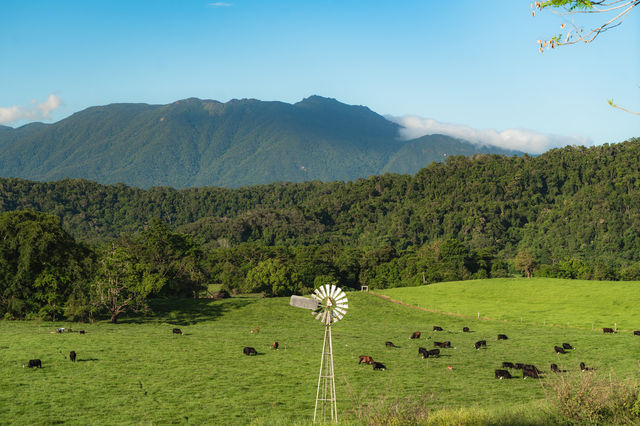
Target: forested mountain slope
[[196, 142], [574, 201]]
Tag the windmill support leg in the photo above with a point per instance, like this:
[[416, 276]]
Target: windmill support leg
[[326, 392]]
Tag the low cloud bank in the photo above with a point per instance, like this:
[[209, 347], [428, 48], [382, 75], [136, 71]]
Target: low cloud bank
[[37, 111], [516, 139]]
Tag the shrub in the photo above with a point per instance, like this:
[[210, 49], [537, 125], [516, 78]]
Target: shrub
[[591, 398]]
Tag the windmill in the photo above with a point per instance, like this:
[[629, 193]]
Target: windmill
[[329, 305]]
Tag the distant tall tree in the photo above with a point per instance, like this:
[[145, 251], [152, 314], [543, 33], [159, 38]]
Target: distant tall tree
[[41, 265], [122, 283], [524, 262]]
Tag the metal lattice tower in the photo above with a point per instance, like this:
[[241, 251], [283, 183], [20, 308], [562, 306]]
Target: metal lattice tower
[[329, 305]]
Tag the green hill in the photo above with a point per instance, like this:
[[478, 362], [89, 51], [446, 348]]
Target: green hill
[[196, 142]]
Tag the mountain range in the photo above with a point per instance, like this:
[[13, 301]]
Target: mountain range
[[195, 142]]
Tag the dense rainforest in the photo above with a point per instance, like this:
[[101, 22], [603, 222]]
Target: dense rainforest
[[572, 212]]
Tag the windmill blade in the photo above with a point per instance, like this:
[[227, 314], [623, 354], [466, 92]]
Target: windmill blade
[[333, 290], [316, 297], [341, 297], [337, 316], [320, 315], [320, 291], [340, 311], [343, 306]]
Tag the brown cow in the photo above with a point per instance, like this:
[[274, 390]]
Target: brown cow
[[275, 345], [442, 344], [366, 359], [415, 335]]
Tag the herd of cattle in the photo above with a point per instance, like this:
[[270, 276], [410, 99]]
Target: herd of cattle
[[528, 370]]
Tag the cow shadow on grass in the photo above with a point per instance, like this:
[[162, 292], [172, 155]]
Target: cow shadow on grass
[[187, 311], [87, 360]]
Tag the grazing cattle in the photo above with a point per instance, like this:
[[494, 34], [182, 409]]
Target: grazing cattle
[[636, 332], [275, 345], [437, 328], [465, 329], [60, 330], [434, 352], [35, 363], [81, 331], [583, 367], [529, 370], [503, 374], [555, 369], [177, 331], [507, 364], [248, 350], [442, 344], [519, 366], [480, 343], [390, 345], [255, 330], [379, 366], [422, 351], [366, 359], [608, 330], [567, 346], [415, 335], [559, 350], [72, 356], [502, 337]]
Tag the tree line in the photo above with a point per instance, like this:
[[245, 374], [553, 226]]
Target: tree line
[[570, 213]]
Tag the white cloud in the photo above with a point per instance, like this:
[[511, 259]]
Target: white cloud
[[220, 4], [38, 111], [516, 139]]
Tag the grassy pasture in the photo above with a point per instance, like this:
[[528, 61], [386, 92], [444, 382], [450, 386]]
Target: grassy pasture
[[138, 372], [573, 303]]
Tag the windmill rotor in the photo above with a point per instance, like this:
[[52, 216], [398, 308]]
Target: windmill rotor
[[332, 304]]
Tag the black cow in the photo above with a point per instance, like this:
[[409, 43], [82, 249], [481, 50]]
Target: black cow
[[480, 343], [434, 352], [559, 350], [529, 370], [555, 369], [422, 351], [567, 346], [502, 337], [72, 356], [636, 332], [35, 363], [379, 366], [442, 344], [177, 331], [507, 364], [519, 366], [81, 331], [503, 374], [437, 328], [583, 367], [248, 350], [415, 335], [608, 330], [390, 345], [465, 329]]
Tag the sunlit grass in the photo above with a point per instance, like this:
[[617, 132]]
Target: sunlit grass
[[139, 372]]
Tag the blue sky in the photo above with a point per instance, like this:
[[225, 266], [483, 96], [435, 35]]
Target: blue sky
[[467, 68]]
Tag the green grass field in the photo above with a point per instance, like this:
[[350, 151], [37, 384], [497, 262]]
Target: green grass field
[[573, 303], [139, 372]]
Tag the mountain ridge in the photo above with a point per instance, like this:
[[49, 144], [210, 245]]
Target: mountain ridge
[[202, 142]]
